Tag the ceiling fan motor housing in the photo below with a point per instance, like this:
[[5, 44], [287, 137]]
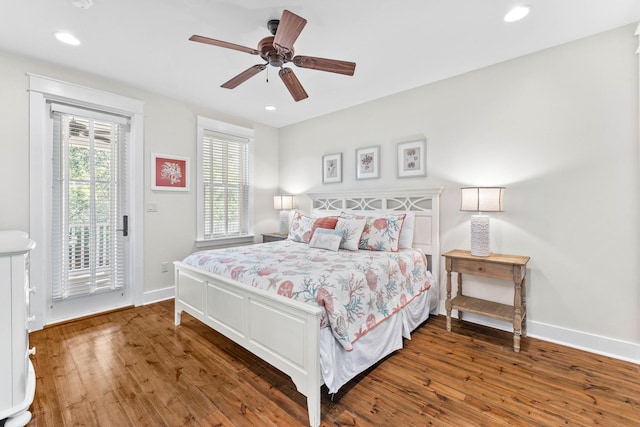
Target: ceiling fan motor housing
[[269, 53]]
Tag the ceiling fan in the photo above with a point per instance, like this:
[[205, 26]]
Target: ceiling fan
[[277, 50]]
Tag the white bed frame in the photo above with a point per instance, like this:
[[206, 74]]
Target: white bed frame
[[282, 331]]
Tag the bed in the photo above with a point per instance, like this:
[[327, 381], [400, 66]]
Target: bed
[[305, 340]]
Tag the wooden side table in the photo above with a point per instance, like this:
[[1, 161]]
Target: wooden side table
[[273, 237], [497, 266]]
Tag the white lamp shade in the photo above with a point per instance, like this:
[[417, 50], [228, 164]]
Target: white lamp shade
[[283, 202], [482, 199]]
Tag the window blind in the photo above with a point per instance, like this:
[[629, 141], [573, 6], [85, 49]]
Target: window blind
[[89, 199], [226, 185]]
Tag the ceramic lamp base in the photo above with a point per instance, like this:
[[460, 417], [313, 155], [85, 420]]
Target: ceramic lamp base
[[480, 235], [284, 222]]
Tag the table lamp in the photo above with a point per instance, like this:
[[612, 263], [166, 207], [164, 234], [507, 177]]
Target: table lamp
[[283, 203], [481, 199]]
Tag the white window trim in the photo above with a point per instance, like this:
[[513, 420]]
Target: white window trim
[[205, 123], [43, 90]]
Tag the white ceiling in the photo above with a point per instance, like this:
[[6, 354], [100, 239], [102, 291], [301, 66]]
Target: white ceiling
[[396, 45]]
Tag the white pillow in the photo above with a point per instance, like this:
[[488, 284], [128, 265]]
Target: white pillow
[[352, 229], [406, 235], [318, 213], [326, 238]]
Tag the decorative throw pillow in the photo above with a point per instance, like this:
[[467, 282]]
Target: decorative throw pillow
[[325, 222], [352, 229], [325, 238], [381, 233], [408, 226], [301, 228]]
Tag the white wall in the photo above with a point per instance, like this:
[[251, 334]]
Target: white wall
[[169, 128], [559, 129]]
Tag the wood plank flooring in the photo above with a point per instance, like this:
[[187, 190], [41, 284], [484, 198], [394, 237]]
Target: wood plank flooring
[[134, 368]]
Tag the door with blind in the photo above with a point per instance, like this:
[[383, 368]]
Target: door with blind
[[89, 253]]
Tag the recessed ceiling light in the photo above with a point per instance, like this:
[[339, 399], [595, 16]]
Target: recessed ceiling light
[[517, 13], [270, 107], [67, 38]]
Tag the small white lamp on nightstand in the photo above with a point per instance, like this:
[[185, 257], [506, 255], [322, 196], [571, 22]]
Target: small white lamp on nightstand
[[284, 203], [481, 199]]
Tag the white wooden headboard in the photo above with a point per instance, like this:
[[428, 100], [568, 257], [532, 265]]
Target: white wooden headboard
[[424, 202]]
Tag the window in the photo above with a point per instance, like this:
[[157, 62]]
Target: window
[[224, 183]]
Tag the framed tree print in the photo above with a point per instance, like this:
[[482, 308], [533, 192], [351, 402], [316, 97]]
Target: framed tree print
[[412, 159], [169, 173], [368, 162], [332, 168]]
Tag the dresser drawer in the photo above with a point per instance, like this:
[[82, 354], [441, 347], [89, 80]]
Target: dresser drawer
[[486, 269]]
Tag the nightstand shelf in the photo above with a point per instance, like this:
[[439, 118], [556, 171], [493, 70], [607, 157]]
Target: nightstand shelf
[[273, 237], [486, 308], [497, 266]]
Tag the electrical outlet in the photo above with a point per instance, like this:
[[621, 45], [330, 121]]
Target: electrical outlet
[[164, 267]]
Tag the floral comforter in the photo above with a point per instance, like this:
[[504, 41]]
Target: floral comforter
[[357, 289]]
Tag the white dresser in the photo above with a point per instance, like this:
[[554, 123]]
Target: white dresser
[[17, 377]]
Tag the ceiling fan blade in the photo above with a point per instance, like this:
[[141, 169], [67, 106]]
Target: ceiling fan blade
[[220, 43], [289, 29], [243, 76], [293, 84], [323, 64]]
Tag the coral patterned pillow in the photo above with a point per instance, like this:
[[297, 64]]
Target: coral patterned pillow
[[301, 228], [352, 229], [381, 233]]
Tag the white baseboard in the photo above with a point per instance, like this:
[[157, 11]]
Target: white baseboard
[[596, 344], [158, 295]]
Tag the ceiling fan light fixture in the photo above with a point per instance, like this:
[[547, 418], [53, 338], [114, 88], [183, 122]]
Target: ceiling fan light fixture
[[67, 38], [517, 13]]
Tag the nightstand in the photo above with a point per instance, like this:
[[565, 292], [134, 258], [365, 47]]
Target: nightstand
[[273, 237], [497, 266]]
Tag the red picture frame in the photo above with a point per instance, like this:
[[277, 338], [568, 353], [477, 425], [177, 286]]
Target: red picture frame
[[169, 173]]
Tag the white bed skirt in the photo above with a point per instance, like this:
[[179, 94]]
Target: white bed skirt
[[339, 366]]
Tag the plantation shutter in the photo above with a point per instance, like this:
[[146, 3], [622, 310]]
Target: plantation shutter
[[225, 174], [88, 202]]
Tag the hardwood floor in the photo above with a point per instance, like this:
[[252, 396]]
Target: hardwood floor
[[134, 368]]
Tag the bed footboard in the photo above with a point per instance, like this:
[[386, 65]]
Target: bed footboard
[[283, 332]]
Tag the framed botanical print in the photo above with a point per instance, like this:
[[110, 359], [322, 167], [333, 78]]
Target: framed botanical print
[[332, 168], [412, 159], [368, 162], [169, 173]]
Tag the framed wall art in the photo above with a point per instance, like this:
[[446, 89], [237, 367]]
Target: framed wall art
[[412, 159], [368, 162], [332, 168], [169, 173]]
